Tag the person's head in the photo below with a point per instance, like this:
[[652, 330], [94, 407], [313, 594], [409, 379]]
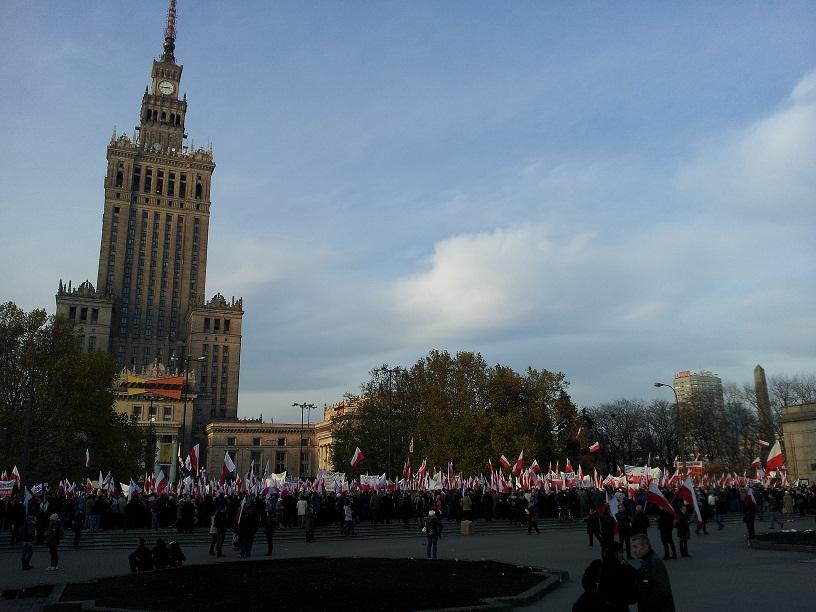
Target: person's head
[[640, 545], [55, 518], [615, 551], [141, 542], [431, 513], [638, 508]]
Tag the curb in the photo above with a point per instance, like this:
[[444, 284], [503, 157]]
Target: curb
[[760, 545]]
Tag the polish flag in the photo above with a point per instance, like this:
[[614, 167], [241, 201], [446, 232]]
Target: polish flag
[[357, 458], [505, 463], [687, 494], [160, 483], [763, 443], [756, 463], [406, 468], [535, 467], [87, 457], [595, 447], [568, 468], [654, 495], [578, 435], [193, 458], [490, 465], [519, 464], [423, 469], [227, 469], [775, 458]]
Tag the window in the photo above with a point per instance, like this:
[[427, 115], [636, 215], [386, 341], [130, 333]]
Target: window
[[151, 411], [216, 324], [83, 315], [168, 413], [256, 441], [255, 457], [226, 325], [281, 441], [137, 412], [205, 349], [72, 313], [91, 344], [94, 315], [280, 462], [230, 441], [206, 323], [183, 186], [148, 182], [159, 181]]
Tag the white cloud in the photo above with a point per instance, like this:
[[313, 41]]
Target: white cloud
[[767, 166]]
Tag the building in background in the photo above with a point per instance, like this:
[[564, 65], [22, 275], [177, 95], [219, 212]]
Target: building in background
[[701, 390], [149, 303], [799, 431], [255, 443], [767, 431]]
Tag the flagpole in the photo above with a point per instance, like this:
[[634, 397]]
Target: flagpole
[[677, 425]]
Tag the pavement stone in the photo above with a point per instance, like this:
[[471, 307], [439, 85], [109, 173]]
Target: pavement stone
[[723, 573]]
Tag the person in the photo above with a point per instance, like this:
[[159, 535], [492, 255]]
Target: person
[[161, 554], [665, 525], [654, 593], [52, 539], [640, 522], [609, 583], [683, 530], [27, 535], [773, 508], [607, 529], [308, 523], [624, 530], [593, 523], [301, 510], [176, 557], [247, 527], [270, 524], [532, 518], [141, 559], [714, 505], [348, 520], [749, 512], [432, 527], [79, 521], [213, 534]]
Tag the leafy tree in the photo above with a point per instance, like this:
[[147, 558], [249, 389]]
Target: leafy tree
[[56, 401]]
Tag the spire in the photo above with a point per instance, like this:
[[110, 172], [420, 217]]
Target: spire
[[170, 34]]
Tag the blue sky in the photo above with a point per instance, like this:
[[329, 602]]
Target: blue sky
[[615, 190]]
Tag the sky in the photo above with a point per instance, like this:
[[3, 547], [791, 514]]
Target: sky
[[616, 191]]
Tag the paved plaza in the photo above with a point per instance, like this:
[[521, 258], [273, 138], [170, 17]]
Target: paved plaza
[[722, 574]]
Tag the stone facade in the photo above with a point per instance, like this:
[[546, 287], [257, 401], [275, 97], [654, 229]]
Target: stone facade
[[149, 301], [277, 443], [799, 430]]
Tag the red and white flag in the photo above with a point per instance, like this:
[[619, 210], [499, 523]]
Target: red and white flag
[[15, 475], [687, 494], [423, 469], [756, 463], [193, 458], [87, 457], [568, 468], [490, 465], [578, 434], [503, 460], [535, 467], [357, 458], [519, 464], [595, 447], [160, 483], [406, 468], [775, 458], [227, 469], [654, 495], [763, 443]]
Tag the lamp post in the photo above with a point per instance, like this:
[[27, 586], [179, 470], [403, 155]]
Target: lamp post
[[187, 360], [303, 406], [677, 425], [390, 372]]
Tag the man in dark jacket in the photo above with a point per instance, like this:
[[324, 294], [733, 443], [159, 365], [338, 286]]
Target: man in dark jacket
[[654, 586], [640, 522], [610, 584], [665, 524]]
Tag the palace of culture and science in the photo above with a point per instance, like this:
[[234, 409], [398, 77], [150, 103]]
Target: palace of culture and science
[[148, 307]]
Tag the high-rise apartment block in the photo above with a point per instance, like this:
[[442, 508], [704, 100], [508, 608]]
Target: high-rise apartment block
[[701, 389], [149, 303]]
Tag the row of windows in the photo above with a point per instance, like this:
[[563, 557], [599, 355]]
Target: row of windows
[[216, 324], [83, 314], [152, 412]]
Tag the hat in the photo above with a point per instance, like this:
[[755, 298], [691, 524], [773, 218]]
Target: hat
[[54, 517], [431, 513]]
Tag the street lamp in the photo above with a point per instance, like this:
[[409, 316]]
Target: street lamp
[[390, 372], [309, 407], [677, 426], [187, 360]]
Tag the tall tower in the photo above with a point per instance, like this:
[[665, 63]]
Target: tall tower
[[149, 306], [153, 255], [766, 428]]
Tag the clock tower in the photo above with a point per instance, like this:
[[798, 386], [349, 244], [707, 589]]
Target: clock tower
[[149, 305]]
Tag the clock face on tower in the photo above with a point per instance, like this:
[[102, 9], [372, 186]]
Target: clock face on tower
[[166, 87]]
